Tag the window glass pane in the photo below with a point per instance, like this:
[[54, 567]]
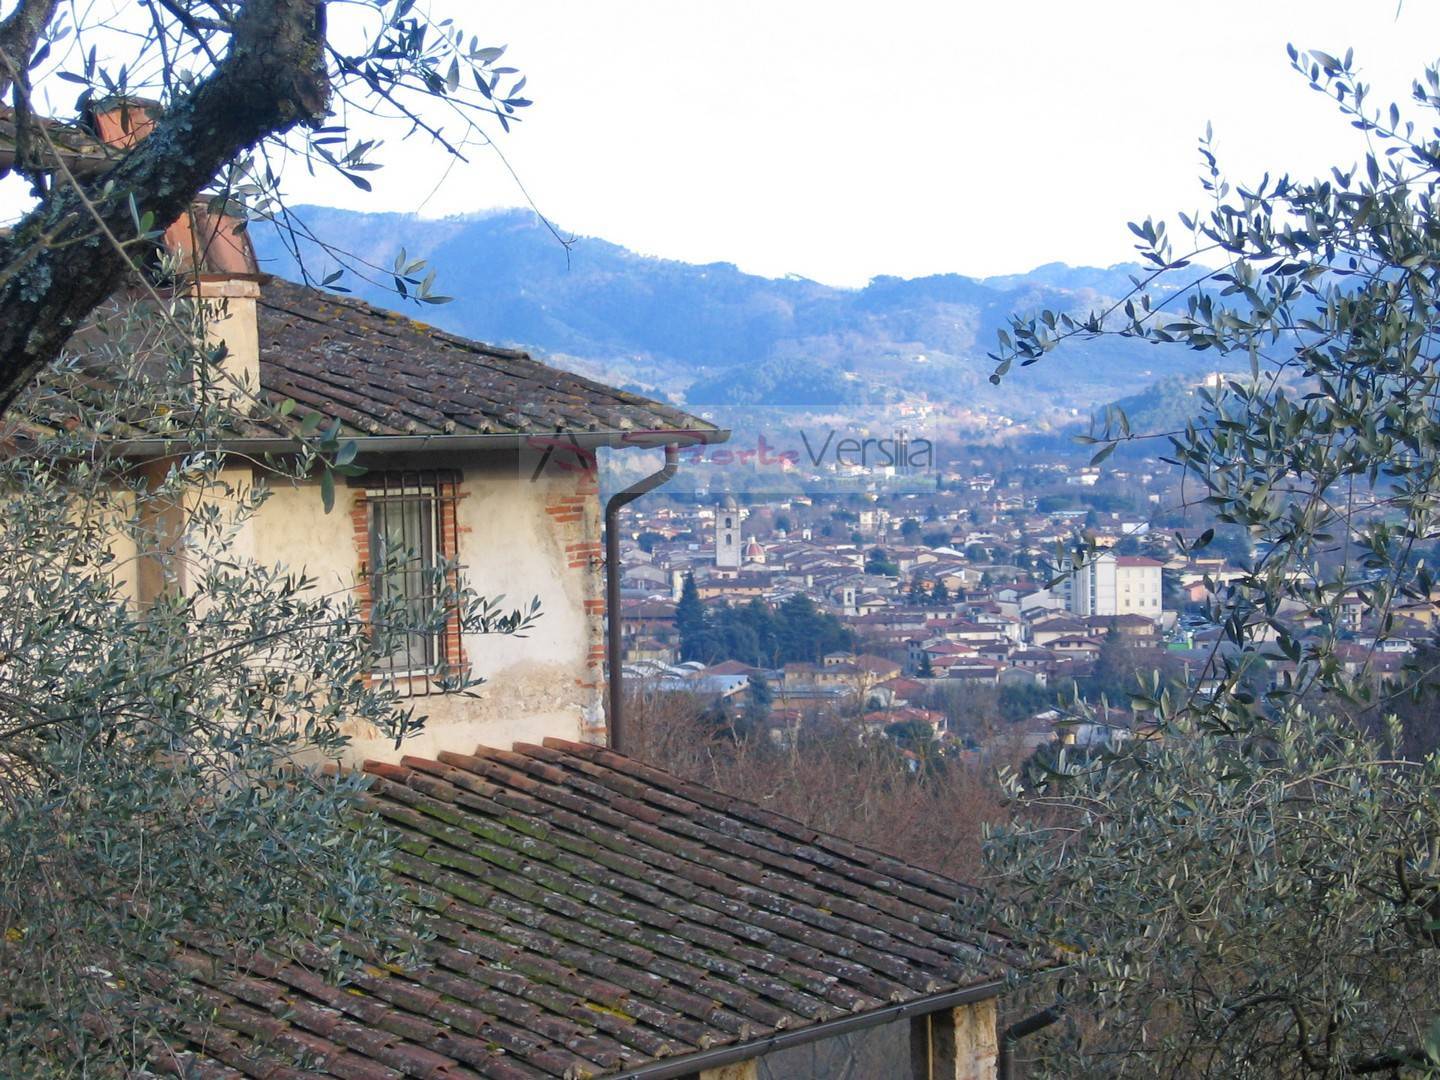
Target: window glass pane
[[402, 547]]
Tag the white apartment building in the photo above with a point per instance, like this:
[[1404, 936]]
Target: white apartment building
[[1115, 585]]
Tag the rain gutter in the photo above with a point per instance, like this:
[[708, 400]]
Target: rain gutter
[[691, 1064], [433, 443]]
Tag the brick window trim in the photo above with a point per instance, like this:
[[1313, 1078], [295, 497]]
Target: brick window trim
[[451, 661]]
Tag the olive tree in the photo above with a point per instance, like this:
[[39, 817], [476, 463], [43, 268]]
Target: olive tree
[[167, 766], [1255, 891], [235, 90], [167, 754]]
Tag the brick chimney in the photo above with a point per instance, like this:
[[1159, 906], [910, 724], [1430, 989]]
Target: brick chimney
[[121, 122], [216, 259], [216, 262]]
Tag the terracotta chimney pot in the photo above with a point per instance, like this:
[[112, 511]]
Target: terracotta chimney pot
[[216, 258], [121, 122]]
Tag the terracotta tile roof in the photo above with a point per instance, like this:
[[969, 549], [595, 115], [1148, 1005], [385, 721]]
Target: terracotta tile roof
[[78, 148], [1075, 641], [381, 373], [1136, 560], [1059, 622], [877, 665], [591, 914], [1104, 622], [903, 687], [733, 667]]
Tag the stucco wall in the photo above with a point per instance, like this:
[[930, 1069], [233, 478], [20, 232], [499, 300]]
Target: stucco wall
[[1138, 591], [115, 516], [519, 535], [965, 1046]]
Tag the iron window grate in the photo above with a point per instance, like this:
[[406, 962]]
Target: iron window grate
[[413, 575]]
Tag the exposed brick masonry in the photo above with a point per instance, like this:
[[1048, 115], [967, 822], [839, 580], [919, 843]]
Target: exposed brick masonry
[[452, 659], [575, 510]]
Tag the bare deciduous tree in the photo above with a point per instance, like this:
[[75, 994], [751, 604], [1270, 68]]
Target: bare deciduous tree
[[865, 791]]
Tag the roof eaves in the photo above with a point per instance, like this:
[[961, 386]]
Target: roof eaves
[[694, 1064]]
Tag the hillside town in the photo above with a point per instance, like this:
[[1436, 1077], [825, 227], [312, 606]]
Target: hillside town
[[953, 617], [667, 596]]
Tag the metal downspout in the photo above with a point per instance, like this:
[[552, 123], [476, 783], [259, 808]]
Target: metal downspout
[[1017, 1031], [614, 721]]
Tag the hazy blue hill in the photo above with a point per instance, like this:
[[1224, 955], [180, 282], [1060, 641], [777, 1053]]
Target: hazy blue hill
[[1156, 412], [1107, 281], [715, 334], [1167, 406]]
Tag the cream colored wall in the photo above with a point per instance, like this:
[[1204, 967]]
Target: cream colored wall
[[1137, 591], [293, 530], [112, 516], [972, 1052], [963, 1044], [951, 1044], [516, 537], [231, 319]]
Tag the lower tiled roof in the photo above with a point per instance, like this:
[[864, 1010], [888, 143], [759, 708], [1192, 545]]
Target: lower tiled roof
[[587, 914]]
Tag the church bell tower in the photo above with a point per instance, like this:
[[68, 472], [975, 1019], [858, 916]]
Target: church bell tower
[[727, 535]]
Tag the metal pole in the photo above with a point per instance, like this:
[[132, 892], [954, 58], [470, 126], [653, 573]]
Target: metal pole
[[1017, 1031], [614, 720]]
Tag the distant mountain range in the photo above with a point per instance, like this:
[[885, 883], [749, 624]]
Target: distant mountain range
[[712, 335]]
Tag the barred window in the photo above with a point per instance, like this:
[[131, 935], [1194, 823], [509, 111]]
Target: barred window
[[410, 567]]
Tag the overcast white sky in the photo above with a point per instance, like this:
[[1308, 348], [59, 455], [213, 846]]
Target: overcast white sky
[[840, 139]]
